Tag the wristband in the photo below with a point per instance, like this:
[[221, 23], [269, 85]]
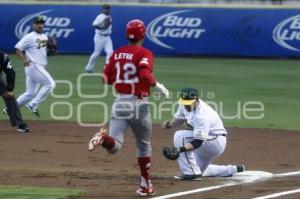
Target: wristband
[[182, 149]]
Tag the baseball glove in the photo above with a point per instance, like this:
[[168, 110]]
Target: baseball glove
[[52, 46], [106, 22], [171, 153]]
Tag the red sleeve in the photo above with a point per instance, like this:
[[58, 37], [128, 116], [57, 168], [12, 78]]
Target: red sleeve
[[108, 73], [146, 68]]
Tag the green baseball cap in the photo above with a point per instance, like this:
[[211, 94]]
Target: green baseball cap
[[188, 96], [105, 6], [38, 19]]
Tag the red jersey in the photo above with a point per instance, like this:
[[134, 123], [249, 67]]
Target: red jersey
[[130, 70]]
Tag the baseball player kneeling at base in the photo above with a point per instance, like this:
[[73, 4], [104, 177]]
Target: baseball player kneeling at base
[[130, 71], [203, 140]]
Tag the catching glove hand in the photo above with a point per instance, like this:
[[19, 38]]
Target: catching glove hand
[[52, 46], [171, 153], [106, 23]]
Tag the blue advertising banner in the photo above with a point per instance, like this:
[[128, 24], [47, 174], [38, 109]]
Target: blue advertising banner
[[170, 31]]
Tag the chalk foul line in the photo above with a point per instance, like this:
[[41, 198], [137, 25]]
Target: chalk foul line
[[228, 184]]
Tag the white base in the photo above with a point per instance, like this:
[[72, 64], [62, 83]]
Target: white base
[[251, 176]]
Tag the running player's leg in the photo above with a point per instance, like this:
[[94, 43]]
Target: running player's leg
[[142, 129], [30, 92], [47, 85], [108, 48], [141, 126], [118, 126], [187, 161], [117, 130], [98, 46]]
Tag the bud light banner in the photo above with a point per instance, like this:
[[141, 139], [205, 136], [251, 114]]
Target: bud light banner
[[170, 31]]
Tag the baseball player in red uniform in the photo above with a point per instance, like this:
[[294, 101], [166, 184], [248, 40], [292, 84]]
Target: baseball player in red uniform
[[130, 71]]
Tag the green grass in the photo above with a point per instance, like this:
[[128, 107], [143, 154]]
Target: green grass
[[229, 83], [15, 192]]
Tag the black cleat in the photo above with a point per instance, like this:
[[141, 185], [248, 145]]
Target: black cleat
[[88, 71], [23, 128], [240, 168], [33, 110]]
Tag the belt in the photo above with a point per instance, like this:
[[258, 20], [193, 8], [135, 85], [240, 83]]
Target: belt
[[217, 135], [104, 35], [123, 95]]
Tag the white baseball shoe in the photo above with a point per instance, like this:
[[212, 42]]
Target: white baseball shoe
[[97, 139]]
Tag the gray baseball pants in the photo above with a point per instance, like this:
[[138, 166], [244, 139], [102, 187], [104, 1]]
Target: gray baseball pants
[[129, 111]]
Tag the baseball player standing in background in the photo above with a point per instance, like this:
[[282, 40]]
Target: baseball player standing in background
[[130, 71], [103, 28], [6, 91], [35, 45], [202, 142]]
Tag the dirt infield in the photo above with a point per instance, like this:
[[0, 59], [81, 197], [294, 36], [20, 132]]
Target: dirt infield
[[56, 155]]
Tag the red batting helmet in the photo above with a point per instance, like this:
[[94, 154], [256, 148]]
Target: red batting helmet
[[135, 29]]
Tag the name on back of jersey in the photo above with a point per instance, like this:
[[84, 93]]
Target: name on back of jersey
[[126, 56]]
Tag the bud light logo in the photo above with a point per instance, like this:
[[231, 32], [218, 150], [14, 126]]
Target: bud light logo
[[58, 27], [174, 26], [287, 33]]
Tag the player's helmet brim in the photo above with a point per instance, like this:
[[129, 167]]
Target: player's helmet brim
[[186, 102]]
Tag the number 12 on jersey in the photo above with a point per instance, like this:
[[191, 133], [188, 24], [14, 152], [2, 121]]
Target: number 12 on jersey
[[127, 73]]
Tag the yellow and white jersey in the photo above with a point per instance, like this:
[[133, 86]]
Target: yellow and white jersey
[[35, 46], [205, 121]]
